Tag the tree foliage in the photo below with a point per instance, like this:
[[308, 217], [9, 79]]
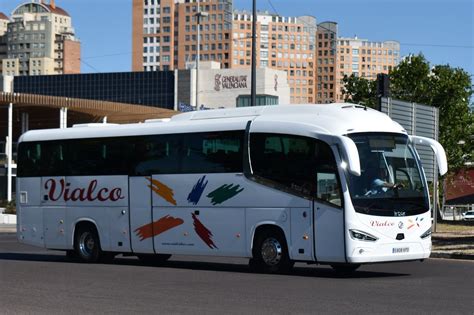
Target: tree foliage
[[359, 91], [447, 88]]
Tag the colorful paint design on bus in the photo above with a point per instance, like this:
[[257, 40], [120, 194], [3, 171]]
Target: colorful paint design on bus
[[162, 190], [203, 232], [224, 193], [155, 228], [195, 194]]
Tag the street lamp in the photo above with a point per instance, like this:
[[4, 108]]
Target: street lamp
[[253, 84], [198, 15]]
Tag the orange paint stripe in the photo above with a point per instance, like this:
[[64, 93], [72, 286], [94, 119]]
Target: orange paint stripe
[[155, 228], [162, 190]]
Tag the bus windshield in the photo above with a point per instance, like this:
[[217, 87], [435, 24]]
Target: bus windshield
[[391, 183]]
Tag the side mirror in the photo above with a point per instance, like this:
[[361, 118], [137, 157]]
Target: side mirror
[[348, 150], [437, 149], [351, 155]]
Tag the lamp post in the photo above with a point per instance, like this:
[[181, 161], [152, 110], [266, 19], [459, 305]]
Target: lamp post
[[253, 84], [198, 15]]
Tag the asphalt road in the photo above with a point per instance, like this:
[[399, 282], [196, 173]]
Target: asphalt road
[[36, 281]]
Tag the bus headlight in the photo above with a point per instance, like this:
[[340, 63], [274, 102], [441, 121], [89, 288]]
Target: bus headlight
[[362, 236], [426, 234]]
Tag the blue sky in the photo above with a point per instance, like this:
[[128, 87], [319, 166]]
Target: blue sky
[[443, 30]]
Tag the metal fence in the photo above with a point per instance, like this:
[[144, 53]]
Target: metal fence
[[420, 120], [454, 212]]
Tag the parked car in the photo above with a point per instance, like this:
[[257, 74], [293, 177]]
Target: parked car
[[468, 216]]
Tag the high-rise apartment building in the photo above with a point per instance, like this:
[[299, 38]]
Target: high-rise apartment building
[[39, 39], [313, 56], [3, 40], [283, 43], [365, 58], [165, 33], [326, 63]]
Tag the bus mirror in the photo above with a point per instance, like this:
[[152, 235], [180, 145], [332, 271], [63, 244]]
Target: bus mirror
[[350, 155], [437, 149]]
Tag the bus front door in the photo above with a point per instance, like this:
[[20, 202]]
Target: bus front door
[[329, 211]]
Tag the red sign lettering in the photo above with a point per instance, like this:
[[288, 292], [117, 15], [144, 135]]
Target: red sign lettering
[[381, 223], [62, 190]]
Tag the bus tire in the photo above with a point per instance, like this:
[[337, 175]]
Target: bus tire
[[270, 253], [345, 269], [154, 259], [87, 244]]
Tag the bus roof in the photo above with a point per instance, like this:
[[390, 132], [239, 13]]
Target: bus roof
[[336, 119]]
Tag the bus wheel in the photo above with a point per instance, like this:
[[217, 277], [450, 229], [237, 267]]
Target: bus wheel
[[345, 269], [270, 253], [153, 259], [87, 244]]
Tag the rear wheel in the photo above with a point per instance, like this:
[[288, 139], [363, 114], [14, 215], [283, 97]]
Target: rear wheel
[[87, 244], [270, 253]]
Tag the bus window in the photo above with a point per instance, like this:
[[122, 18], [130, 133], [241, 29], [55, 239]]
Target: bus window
[[328, 185], [29, 159], [284, 160], [156, 155], [87, 157], [213, 152], [52, 162], [299, 164]]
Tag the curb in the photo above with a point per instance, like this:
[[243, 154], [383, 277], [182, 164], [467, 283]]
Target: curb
[[8, 228], [452, 255]]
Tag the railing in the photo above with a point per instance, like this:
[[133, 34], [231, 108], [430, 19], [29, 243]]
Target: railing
[[454, 212]]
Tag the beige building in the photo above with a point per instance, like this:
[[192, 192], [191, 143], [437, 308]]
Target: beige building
[[314, 57], [165, 33], [283, 43], [39, 39], [365, 58], [3, 41], [326, 63]]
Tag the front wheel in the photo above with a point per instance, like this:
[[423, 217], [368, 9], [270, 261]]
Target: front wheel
[[270, 253]]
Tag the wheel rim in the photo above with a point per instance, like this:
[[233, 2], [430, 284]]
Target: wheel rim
[[86, 244], [271, 251]]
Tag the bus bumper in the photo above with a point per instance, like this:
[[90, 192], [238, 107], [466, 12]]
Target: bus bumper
[[361, 253]]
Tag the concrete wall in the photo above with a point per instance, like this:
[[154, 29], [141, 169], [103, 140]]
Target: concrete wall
[[7, 218], [221, 87]]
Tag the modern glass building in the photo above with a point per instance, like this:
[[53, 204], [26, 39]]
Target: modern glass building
[[154, 88]]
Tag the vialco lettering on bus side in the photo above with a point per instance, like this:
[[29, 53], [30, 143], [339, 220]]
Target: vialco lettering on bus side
[[62, 190]]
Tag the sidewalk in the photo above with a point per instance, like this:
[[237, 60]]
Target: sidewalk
[[7, 228], [459, 245]]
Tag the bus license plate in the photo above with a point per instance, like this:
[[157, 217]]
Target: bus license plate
[[400, 250]]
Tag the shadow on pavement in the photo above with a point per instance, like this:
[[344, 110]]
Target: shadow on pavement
[[298, 271]]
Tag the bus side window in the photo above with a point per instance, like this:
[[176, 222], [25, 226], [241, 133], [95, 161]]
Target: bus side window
[[328, 184], [213, 152], [28, 159], [286, 161], [156, 155], [52, 162]]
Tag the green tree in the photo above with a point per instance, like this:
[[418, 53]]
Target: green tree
[[359, 90], [447, 88]]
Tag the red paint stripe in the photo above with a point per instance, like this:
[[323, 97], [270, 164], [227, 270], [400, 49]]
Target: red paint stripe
[[203, 232]]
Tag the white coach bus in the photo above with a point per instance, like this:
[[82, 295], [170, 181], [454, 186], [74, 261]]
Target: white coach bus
[[330, 184]]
